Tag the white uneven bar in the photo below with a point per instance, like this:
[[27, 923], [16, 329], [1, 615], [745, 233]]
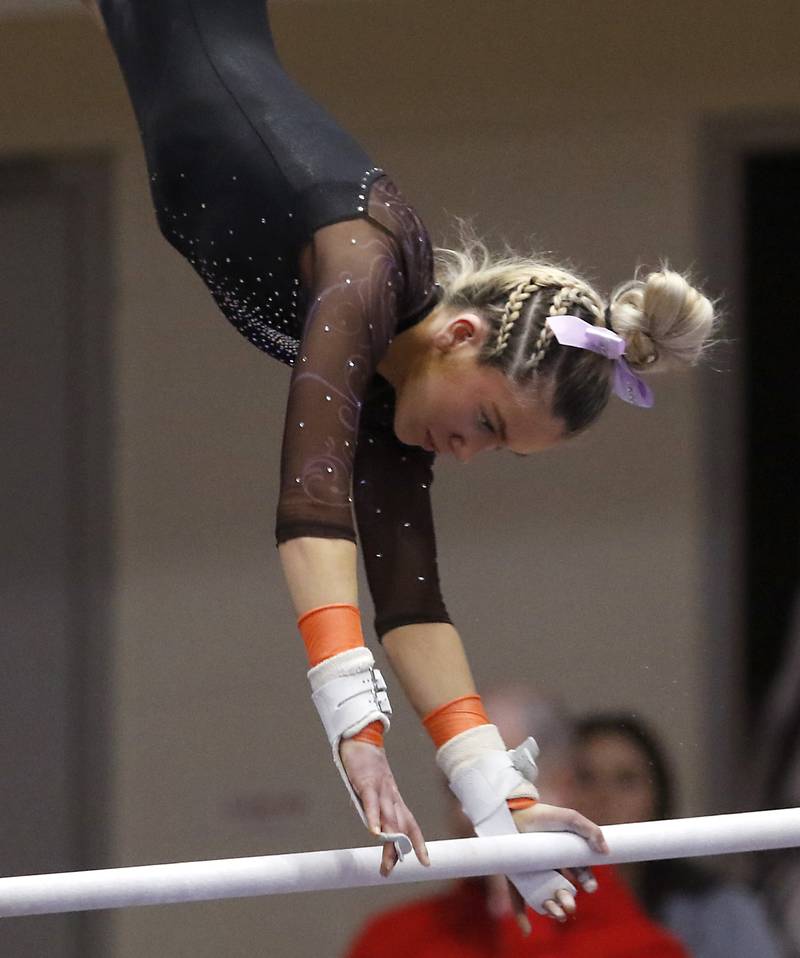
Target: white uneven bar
[[356, 867]]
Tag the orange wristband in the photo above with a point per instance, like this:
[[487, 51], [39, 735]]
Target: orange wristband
[[372, 734], [517, 804], [329, 630], [455, 717]]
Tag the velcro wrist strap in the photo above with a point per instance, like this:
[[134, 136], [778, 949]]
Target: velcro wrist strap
[[483, 787], [483, 778], [483, 797], [511, 774], [349, 693], [467, 747]]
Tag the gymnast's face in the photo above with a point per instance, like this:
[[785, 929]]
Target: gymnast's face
[[451, 404], [614, 780]]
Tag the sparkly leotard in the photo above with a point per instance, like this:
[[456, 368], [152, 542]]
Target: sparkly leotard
[[246, 170]]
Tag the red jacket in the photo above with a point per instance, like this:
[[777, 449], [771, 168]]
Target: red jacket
[[457, 924]]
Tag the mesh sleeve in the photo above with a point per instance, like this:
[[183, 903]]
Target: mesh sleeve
[[352, 315], [395, 524]]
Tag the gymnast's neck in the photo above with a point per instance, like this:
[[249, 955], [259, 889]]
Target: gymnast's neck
[[409, 350]]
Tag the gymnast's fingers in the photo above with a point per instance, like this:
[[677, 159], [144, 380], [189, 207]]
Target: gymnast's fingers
[[388, 858], [389, 823], [554, 910], [586, 829], [520, 910], [566, 901], [414, 832], [396, 812], [583, 877], [543, 817], [408, 825], [378, 821], [372, 810], [396, 817]]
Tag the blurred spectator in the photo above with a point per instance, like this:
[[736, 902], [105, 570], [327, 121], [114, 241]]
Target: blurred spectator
[[623, 776], [473, 918]]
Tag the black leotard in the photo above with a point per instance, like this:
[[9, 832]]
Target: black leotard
[[245, 171]]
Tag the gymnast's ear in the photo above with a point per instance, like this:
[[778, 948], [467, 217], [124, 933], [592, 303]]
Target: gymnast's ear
[[461, 329]]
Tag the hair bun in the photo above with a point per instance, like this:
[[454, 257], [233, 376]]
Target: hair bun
[[664, 320]]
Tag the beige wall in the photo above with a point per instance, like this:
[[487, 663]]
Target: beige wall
[[575, 123]]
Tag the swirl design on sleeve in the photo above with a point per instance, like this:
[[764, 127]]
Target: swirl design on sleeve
[[369, 272]]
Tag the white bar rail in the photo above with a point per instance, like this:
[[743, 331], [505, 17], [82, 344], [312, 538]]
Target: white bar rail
[[356, 867]]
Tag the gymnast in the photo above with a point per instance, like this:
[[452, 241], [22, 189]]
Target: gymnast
[[397, 355]]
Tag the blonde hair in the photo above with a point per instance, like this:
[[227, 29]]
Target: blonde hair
[[663, 319]]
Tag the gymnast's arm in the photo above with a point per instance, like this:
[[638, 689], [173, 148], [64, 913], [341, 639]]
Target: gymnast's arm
[[319, 572], [350, 320], [392, 493], [430, 663], [395, 521]]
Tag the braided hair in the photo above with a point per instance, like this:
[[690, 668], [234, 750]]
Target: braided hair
[[663, 320]]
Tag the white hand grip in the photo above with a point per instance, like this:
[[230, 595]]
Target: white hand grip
[[350, 693]]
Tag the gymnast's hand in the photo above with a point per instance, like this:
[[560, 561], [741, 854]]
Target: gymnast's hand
[[372, 780], [541, 817]]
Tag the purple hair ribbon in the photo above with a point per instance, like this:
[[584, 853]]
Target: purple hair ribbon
[[573, 331]]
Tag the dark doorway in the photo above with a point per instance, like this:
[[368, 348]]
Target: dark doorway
[[55, 561], [770, 348]]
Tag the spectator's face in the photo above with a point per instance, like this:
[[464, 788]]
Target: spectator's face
[[613, 780]]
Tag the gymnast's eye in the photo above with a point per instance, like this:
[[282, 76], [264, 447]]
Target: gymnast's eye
[[485, 423]]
